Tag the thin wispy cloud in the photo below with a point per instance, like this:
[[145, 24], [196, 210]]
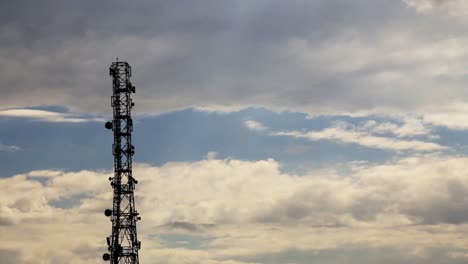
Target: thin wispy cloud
[[254, 125], [453, 7], [346, 133], [9, 148], [47, 116], [410, 127]]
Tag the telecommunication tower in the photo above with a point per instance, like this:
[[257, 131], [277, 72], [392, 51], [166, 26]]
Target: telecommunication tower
[[123, 243]]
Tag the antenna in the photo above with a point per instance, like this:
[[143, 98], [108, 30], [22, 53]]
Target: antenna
[[123, 243]]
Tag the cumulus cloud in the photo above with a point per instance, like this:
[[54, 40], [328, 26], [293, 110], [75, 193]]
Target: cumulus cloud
[[244, 210]]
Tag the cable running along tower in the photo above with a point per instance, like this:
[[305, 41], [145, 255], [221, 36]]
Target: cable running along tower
[[123, 243]]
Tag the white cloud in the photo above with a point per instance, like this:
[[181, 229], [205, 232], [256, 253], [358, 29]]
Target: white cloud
[[9, 148], [43, 173], [244, 209], [364, 136], [211, 155], [411, 127], [46, 116], [451, 116], [254, 125], [454, 7]]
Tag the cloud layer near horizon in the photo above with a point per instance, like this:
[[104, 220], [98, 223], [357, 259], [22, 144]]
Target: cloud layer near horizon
[[233, 211]]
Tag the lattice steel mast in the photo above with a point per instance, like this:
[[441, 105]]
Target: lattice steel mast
[[123, 243]]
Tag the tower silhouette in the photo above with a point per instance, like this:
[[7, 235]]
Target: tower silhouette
[[123, 243]]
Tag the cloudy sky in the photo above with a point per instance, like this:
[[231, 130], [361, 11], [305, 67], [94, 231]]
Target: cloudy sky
[[266, 131]]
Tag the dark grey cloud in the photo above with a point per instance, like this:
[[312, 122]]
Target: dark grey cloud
[[305, 55], [6, 221], [261, 20], [187, 226], [10, 256], [319, 208], [446, 208]]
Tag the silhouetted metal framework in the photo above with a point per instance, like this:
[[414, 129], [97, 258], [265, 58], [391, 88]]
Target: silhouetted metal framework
[[123, 243]]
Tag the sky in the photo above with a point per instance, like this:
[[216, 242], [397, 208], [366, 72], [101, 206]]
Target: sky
[[265, 131]]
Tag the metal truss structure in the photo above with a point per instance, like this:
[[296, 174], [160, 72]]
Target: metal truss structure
[[123, 243]]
